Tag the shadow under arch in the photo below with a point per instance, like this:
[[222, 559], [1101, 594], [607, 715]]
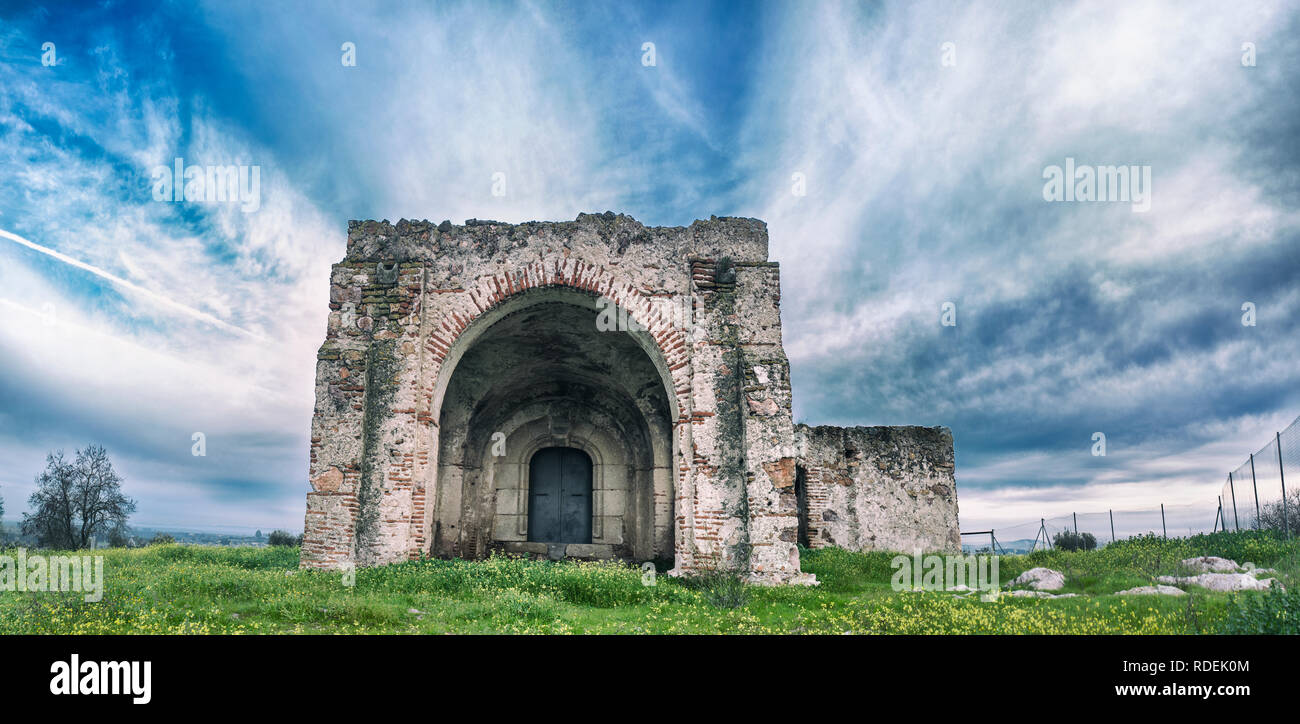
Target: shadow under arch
[[536, 295]]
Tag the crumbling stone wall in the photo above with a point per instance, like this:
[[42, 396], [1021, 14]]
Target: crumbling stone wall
[[877, 488]]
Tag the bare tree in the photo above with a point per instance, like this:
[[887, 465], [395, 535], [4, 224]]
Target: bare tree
[[76, 501]]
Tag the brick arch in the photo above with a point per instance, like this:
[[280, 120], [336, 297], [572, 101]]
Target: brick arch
[[453, 319], [457, 317]]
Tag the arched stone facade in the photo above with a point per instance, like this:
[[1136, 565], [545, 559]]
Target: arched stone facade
[[453, 353]]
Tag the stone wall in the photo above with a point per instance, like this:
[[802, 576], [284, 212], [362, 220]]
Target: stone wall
[[877, 488]]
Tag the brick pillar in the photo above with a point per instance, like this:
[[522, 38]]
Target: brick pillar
[[329, 533], [715, 513], [768, 427], [364, 456]]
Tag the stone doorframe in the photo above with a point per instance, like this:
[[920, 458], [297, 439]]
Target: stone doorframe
[[632, 498]]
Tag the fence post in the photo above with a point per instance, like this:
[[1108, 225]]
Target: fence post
[[1076, 524], [1218, 515], [1112, 525], [1233, 489], [1286, 517], [1163, 530], [993, 544], [1254, 485]]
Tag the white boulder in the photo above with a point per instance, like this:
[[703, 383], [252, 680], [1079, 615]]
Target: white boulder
[[1039, 594], [1153, 591], [1041, 579], [1221, 581], [1211, 564]]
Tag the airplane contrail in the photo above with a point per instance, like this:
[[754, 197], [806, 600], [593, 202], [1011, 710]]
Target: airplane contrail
[[119, 281], [227, 381]]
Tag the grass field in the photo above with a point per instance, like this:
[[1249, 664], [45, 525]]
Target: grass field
[[196, 589]]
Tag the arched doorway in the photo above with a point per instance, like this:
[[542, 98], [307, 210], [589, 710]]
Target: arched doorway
[[559, 496], [541, 374]]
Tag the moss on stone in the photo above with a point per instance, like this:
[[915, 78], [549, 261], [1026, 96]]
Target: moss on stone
[[382, 367]]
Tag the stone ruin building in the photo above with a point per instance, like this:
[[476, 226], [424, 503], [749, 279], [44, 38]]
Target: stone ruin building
[[590, 389]]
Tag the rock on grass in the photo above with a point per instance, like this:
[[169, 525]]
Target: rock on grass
[[1222, 581], [1041, 579], [1211, 564], [1153, 591], [1040, 594]]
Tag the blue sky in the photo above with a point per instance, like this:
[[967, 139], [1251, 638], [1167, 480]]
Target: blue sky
[[136, 323]]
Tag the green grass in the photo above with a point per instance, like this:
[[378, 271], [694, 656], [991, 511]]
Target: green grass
[[198, 589]]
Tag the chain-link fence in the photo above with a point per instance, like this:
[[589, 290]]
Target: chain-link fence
[[1092, 529], [1255, 495]]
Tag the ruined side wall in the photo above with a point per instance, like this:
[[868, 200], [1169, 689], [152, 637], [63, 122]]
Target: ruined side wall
[[878, 488]]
